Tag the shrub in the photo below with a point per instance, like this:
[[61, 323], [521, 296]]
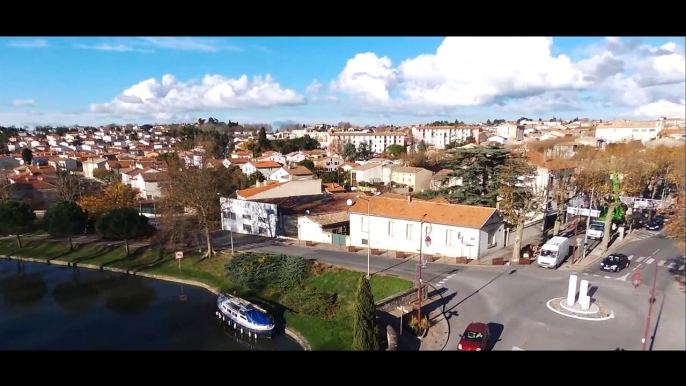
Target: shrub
[[312, 302], [258, 270], [419, 325]]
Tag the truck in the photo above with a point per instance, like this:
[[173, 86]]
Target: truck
[[553, 253], [596, 230]]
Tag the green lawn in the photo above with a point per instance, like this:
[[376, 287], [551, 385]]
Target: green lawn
[[335, 334]]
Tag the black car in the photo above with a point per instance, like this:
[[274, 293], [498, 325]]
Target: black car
[[614, 262], [655, 224]]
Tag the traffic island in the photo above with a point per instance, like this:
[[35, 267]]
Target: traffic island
[[585, 308]]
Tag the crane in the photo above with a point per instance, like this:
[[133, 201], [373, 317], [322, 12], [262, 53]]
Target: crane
[[618, 215]]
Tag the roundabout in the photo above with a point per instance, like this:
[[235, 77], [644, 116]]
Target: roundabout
[[585, 308]]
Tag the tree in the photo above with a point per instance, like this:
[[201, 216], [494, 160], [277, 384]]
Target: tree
[[5, 188], [27, 156], [262, 141], [123, 223], [115, 196], [363, 150], [68, 186], [255, 177], [198, 192], [365, 329], [17, 217], [65, 219], [307, 163], [595, 178], [395, 151], [479, 170], [521, 199], [344, 125], [105, 175], [349, 152]]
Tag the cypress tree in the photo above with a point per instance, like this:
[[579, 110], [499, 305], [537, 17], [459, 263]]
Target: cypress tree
[[365, 329]]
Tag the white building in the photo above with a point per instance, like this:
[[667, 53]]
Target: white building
[[264, 167], [249, 217], [91, 164], [510, 131], [320, 228], [371, 172], [148, 183], [287, 173], [624, 131], [452, 230], [376, 142], [440, 136]]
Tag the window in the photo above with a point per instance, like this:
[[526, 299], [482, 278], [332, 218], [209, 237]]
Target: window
[[449, 237], [491, 238], [246, 217], [263, 230], [148, 197], [391, 226], [364, 220], [262, 220], [364, 241], [231, 215], [247, 228], [409, 231]]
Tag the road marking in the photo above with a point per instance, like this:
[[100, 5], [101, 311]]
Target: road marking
[[640, 259], [586, 273], [596, 275], [623, 278], [439, 285], [634, 269], [661, 263], [650, 261], [451, 276], [631, 257], [607, 277], [671, 265], [515, 348], [655, 253]]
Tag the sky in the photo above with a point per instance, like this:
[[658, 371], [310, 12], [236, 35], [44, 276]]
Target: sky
[[362, 80]]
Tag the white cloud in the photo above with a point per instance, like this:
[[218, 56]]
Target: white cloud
[[36, 43], [105, 47], [189, 44], [662, 108], [517, 74], [314, 87], [169, 97], [23, 102]]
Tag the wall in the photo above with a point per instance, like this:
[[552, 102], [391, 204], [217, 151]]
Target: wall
[[464, 242], [290, 189], [495, 224], [311, 231], [394, 301], [256, 210], [422, 180]]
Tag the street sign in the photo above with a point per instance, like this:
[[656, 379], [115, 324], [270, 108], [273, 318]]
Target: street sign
[[583, 212], [179, 254]]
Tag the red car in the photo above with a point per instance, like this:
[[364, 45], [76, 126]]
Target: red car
[[474, 338]]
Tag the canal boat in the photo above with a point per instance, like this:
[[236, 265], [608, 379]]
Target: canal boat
[[245, 316]]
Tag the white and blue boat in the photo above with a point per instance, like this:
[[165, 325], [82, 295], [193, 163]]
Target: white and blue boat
[[245, 316]]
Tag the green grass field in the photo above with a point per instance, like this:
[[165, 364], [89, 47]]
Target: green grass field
[[335, 334]]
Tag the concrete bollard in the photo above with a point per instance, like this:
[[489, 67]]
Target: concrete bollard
[[571, 291], [585, 302], [583, 289]]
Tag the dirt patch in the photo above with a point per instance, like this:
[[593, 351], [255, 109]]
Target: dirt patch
[[321, 268]]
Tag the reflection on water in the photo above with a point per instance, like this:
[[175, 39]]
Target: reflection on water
[[58, 308]]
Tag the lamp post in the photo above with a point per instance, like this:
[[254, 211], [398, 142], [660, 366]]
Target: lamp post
[[588, 225], [421, 264], [651, 301], [369, 231]]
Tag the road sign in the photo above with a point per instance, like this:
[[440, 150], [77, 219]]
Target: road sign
[[179, 254], [583, 212]]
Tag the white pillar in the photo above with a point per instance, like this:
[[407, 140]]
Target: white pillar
[[571, 291], [583, 289], [585, 302]]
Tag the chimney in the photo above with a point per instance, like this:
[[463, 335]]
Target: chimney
[[409, 198]]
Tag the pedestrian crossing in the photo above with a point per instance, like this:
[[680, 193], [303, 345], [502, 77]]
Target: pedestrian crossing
[[639, 262], [643, 234], [442, 282]]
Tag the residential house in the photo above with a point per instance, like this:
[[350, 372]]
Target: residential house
[[248, 217], [241, 154], [273, 156], [273, 189], [371, 173], [417, 179], [235, 161], [510, 131], [624, 131], [264, 167], [295, 157], [62, 163], [320, 228], [438, 137], [148, 183], [91, 164], [445, 230], [329, 164], [288, 173], [348, 166], [442, 179]]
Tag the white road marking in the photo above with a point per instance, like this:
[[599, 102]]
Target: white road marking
[[596, 275], [451, 276], [515, 348], [640, 259], [655, 253], [634, 269], [623, 278], [661, 263], [671, 265], [586, 273], [631, 257], [650, 261], [439, 285], [607, 277]]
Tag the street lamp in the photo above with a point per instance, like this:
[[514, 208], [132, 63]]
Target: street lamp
[[369, 231], [421, 261]]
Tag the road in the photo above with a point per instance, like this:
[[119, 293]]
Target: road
[[513, 300]]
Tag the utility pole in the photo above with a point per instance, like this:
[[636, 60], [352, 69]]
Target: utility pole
[[421, 262], [588, 224], [576, 230], [651, 301]]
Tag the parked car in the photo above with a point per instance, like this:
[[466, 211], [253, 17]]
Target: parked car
[[655, 224], [474, 338], [615, 262]]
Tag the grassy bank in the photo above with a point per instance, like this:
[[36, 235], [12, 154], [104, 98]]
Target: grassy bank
[[332, 334]]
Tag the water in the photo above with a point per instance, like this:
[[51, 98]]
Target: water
[[46, 307]]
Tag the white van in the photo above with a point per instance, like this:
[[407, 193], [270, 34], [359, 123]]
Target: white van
[[596, 230], [554, 252]]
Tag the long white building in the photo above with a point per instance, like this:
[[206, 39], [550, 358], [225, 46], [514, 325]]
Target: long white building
[[624, 131], [440, 136], [376, 142]]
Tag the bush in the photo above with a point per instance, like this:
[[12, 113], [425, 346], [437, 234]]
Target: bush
[[312, 302], [257, 270], [418, 326]]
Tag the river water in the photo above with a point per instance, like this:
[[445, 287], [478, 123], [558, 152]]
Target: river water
[[45, 307]]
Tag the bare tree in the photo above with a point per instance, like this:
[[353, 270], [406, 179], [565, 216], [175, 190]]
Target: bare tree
[[344, 125], [5, 188], [68, 186], [521, 199]]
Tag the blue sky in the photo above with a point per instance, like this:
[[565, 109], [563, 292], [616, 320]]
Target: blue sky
[[390, 80]]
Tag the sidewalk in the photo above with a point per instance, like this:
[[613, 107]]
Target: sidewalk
[[597, 252]]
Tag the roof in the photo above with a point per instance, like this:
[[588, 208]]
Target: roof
[[466, 216], [333, 187], [265, 164], [351, 164], [325, 219], [626, 124], [316, 204], [406, 169], [367, 134], [155, 177], [366, 166], [441, 174], [245, 193], [298, 171], [540, 160]]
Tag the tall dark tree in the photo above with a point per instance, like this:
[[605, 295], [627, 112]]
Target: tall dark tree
[[15, 218], [349, 151], [65, 219], [479, 170], [307, 163], [365, 329], [363, 150], [123, 224], [27, 156], [262, 141]]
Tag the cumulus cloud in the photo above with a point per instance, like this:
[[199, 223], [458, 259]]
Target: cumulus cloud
[[23, 102], [313, 90], [314, 87], [169, 97], [106, 47], [35, 43], [516, 74], [662, 108]]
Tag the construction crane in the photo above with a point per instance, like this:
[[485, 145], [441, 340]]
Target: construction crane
[[620, 208]]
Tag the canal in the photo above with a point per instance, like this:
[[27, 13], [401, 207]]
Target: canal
[[45, 307]]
